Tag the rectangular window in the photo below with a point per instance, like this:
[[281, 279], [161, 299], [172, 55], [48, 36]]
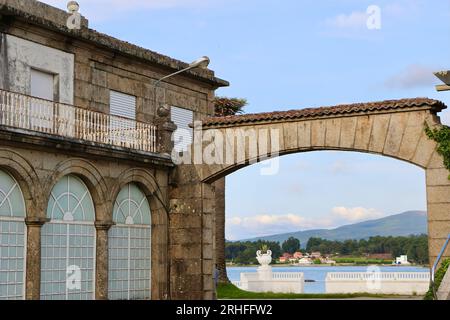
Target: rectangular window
[[12, 259], [184, 135], [123, 129], [122, 105], [42, 85], [66, 249], [41, 112]]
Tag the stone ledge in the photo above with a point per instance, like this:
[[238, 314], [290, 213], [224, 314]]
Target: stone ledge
[[41, 141]]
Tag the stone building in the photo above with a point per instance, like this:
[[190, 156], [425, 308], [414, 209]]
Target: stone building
[[87, 184], [92, 205]]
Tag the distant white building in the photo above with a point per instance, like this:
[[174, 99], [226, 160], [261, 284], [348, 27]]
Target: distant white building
[[305, 261], [402, 260]]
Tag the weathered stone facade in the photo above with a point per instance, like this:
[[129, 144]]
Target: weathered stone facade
[[182, 198], [37, 160]]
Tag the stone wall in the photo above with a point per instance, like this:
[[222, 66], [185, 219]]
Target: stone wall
[[399, 135], [102, 63], [37, 171], [97, 71]]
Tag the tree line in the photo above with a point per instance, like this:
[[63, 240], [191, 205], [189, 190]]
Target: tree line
[[416, 247]]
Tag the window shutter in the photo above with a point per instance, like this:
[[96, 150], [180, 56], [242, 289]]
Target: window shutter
[[42, 85], [122, 105], [183, 118]]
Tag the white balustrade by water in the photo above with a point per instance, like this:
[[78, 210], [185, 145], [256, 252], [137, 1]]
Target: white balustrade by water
[[25, 112], [264, 280], [401, 283]]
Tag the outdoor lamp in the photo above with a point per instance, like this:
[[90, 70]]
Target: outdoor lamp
[[201, 63]]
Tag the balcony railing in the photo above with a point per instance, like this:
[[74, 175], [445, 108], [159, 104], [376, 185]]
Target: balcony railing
[[25, 112]]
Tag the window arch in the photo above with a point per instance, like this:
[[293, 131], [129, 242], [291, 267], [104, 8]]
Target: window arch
[[68, 243], [130, 246], [12, 239]]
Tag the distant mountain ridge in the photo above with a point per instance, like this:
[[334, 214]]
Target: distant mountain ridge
[[403, 224]]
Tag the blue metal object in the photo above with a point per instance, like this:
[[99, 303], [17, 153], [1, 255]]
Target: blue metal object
[[436, 263]]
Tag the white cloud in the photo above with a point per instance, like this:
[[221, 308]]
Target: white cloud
[[270, 224], [266, 224], [413, 76], [356, 214]]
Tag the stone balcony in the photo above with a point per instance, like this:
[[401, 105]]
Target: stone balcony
[[33, 117]]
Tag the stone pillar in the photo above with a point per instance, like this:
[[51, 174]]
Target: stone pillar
[[208, 240], [165, 128], [33, 264], [219, 238], [102, 260], [185, 236]]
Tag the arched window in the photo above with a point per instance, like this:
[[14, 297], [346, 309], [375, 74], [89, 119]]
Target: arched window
[[130, 246], [68, 243], [12, 239]]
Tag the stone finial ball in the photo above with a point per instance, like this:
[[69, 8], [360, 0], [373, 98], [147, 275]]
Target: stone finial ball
[[164, 111], [73, 6]]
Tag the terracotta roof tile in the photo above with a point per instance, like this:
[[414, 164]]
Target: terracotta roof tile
[[434, 105]]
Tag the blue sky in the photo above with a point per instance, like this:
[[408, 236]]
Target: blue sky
[[293, 54]]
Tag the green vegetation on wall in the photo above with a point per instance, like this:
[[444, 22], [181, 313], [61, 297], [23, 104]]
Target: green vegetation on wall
[[439, 276], [442, 137]]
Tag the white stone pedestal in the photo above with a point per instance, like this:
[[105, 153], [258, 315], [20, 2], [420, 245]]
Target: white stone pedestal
[[264, 280]]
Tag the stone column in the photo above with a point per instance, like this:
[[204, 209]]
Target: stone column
[[102, 260], [220, 231], [33, 264], [208, 240], [165, 128]]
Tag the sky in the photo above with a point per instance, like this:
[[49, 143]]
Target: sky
[[291, 54]]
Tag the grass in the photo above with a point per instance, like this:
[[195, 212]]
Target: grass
[[229, 291]]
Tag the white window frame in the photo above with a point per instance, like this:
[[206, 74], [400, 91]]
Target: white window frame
[[129, 226], [14, 219], [182, 118], [68, 221], [122, 124]]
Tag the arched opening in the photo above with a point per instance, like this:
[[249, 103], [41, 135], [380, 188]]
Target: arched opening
[[68, 243], [12, 239], [335, 196], [130, 246]]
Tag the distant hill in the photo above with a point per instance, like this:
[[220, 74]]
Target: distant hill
[[404, 224]]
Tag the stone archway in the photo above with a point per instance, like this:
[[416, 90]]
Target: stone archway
[[149, 185], [394, 128]]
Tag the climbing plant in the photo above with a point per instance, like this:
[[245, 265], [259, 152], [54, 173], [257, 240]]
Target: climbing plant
[[442, 136], [439, 276]]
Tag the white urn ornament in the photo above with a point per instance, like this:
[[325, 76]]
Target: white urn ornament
[[264, 259]]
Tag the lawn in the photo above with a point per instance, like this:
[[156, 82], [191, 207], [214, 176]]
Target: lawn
[[229, 291]]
